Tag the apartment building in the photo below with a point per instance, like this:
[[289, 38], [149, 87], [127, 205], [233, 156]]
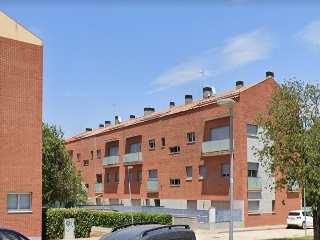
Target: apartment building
[[21, 64], [179, 158]]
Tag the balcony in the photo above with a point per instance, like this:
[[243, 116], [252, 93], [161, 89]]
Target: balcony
[[152, 186], [132, 158], [254, 184], [110, 161], [98, 187], [217, 147]]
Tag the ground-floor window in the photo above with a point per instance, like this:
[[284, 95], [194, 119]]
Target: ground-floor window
[[19, 202]]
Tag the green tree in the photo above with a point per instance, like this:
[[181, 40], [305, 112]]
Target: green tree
[[60, 180], [291, 140]]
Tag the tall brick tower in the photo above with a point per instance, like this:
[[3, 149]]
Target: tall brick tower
[[21, 70]]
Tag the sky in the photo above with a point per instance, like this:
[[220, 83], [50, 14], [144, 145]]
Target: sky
[[114, 58]]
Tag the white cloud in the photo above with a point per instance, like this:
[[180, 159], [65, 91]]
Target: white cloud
[[237, 52], [311, 35], [246, 48]]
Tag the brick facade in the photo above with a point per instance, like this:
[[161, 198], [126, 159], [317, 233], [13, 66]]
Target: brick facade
[[173, 125], [21, 64]]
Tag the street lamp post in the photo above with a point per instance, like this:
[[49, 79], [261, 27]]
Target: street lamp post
[[229, 103], [129, 181]]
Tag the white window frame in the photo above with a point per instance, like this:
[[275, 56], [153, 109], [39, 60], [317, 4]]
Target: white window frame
[[225, 170], [252, 130], [191, 136], [175, 182], [99, 153], [163, 142], [86, 162], [202, 172], [174, 150], [189, 172], [253, 211], [152, 144], [19, 200]]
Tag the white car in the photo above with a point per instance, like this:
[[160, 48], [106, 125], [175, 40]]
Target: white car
[[297, 218]]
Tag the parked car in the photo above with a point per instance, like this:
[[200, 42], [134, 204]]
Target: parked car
[[150, 231], [9, 234], [296, 218]]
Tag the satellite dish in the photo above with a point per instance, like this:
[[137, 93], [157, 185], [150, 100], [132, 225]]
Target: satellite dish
[[119, 119], [213, 90]]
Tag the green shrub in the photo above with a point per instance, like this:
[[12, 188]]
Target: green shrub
[[85, 219]]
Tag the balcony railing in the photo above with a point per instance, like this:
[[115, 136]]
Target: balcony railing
[[254, 184], [98, 187], [215, 147], [152, 186], [293, 187], [132, 157], [111, 160]]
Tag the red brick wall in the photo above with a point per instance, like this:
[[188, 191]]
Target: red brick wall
[[174, 129], [21, 132]]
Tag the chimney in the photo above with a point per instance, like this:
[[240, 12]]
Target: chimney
[[239, 84], [148, 111], [132, 117], [207, 92], [188, 99], [88, 129], [107, 123], [101, 125], [172, 104], [269, 74], [117, 120]]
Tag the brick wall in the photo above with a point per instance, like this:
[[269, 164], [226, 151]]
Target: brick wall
[[21, 132]]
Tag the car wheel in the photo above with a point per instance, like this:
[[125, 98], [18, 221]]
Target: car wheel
[[288, 226], [303, 225]]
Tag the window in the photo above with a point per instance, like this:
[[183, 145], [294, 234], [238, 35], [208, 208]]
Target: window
[[191, 137], [135, 147], [152, 144], [139, 176], [225, 170], [153, 174], [220, 133], [252, 130], [130, 177], [86, 163], [18, 202], [113, 151], [189, 173], [79, 157], [175, 182], [117, 177], [253, 169], [273, 205], [202, 172], [86, 185], [108, 177], [91, 155], [99, 153], [175, 149], [163, 142], [71, 155], [99, 178], [253, 206]]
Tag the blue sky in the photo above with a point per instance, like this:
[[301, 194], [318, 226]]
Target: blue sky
[[107, 58]]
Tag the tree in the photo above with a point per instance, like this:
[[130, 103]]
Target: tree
[[60, 180], [291, 140]]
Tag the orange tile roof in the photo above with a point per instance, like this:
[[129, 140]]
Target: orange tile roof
[[174, 110]]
